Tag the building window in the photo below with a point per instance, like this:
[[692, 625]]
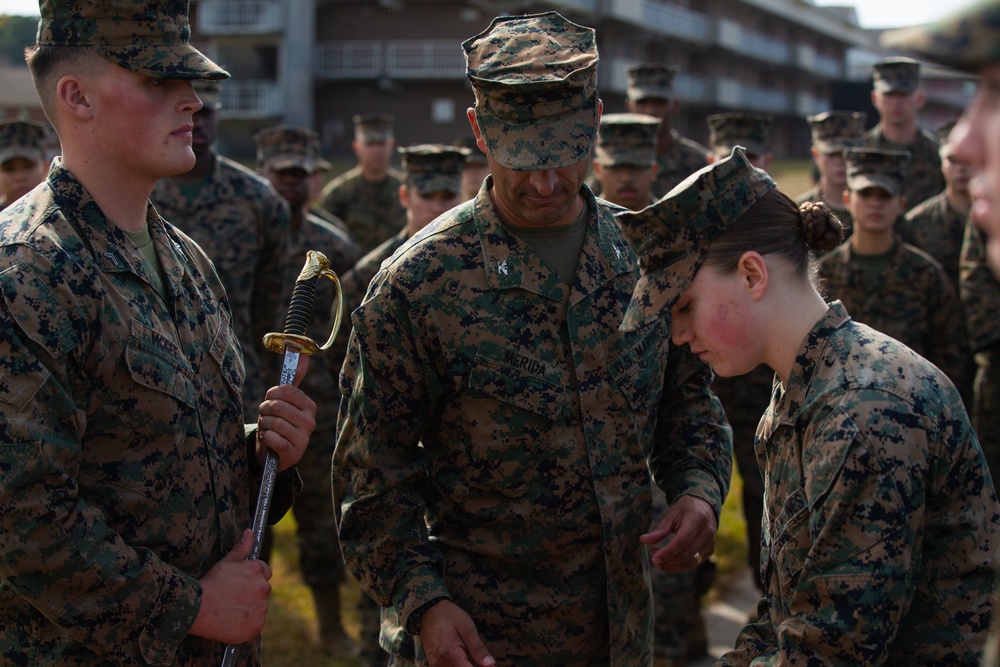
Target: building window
[[443, 110]]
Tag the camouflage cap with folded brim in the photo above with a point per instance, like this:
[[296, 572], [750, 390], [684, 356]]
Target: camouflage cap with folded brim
[[876, 168], [286, 147], [896, 75], [671, 237], [627, 139], [23, 139], [373, 127], [833, 131], [535, 81], [650, 81], [434, 167], [965, 40], [146, 37], [750, 130]]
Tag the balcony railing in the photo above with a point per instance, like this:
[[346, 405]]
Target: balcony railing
[[251, 99], [240, 17], [675, 20], [396, 59]]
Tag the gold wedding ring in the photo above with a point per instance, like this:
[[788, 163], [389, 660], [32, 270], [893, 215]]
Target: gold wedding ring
[[697, 557]]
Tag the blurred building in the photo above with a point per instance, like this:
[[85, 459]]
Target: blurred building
[[318, 62]]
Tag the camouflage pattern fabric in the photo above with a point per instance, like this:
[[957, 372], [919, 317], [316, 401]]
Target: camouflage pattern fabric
[[148, 38], [535, 111], [683, 158], [833, 131], [371, 211], [876, 168], [650, 80], [461, 345], [844, 214], [916, 304], [373, 127], [750, 130], [355, 284], [23, 139], [937, 229], [124, 471], [882, 524], [242, 223], [434, 167], [966, 40], [671, 237], [627, 139], [924, 178], [980, 294], [896, 75]]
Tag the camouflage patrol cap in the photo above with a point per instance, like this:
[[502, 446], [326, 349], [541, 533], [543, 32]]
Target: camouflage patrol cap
[[434, 167], [373, 127], [876, 168], [627, 139], [966, 40], [750, 130], [535, 80], [475, 156], [209, 92], [896, 75], [672, 236], [143, 36], [650, 80], [22, 139], [833, 131], [286, 147]]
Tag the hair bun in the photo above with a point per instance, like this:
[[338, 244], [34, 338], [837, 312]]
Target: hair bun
[[821, 228]]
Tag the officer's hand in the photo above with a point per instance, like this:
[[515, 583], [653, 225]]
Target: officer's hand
[[233, 597], [450, 639], [692, 523], [286, 419]]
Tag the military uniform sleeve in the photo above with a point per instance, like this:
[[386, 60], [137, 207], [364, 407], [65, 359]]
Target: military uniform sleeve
[[949, 341], [379, 469], [56, 550], [844, 550], [979, 291], [692, 449]]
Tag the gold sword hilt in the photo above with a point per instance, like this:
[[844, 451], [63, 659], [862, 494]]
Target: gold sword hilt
[[300, 309]]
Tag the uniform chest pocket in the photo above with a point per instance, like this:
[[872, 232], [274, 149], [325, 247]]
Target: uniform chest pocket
[[515, 405], [638, 371], [156, 362]]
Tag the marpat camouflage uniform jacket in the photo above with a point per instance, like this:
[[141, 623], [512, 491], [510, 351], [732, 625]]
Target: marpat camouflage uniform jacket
[[924, 178], [916, 304], [124, 461], [534, 414], [242, 223], [881, 523], [371, 211], [937, 229], [682, 159]]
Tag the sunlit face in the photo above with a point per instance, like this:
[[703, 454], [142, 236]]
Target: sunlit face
[[145, 123], [293, 184], [626, 184], [976, 141], [898, 109], [374, 154], [874, 210], [19, 175], [715, 318], [832, 168], [423, 207]]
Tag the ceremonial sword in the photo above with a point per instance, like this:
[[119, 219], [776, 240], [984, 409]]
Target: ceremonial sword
[[292, 343]]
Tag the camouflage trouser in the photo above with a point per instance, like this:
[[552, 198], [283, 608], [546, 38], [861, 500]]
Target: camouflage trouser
[[678, 627], [986, 409]]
